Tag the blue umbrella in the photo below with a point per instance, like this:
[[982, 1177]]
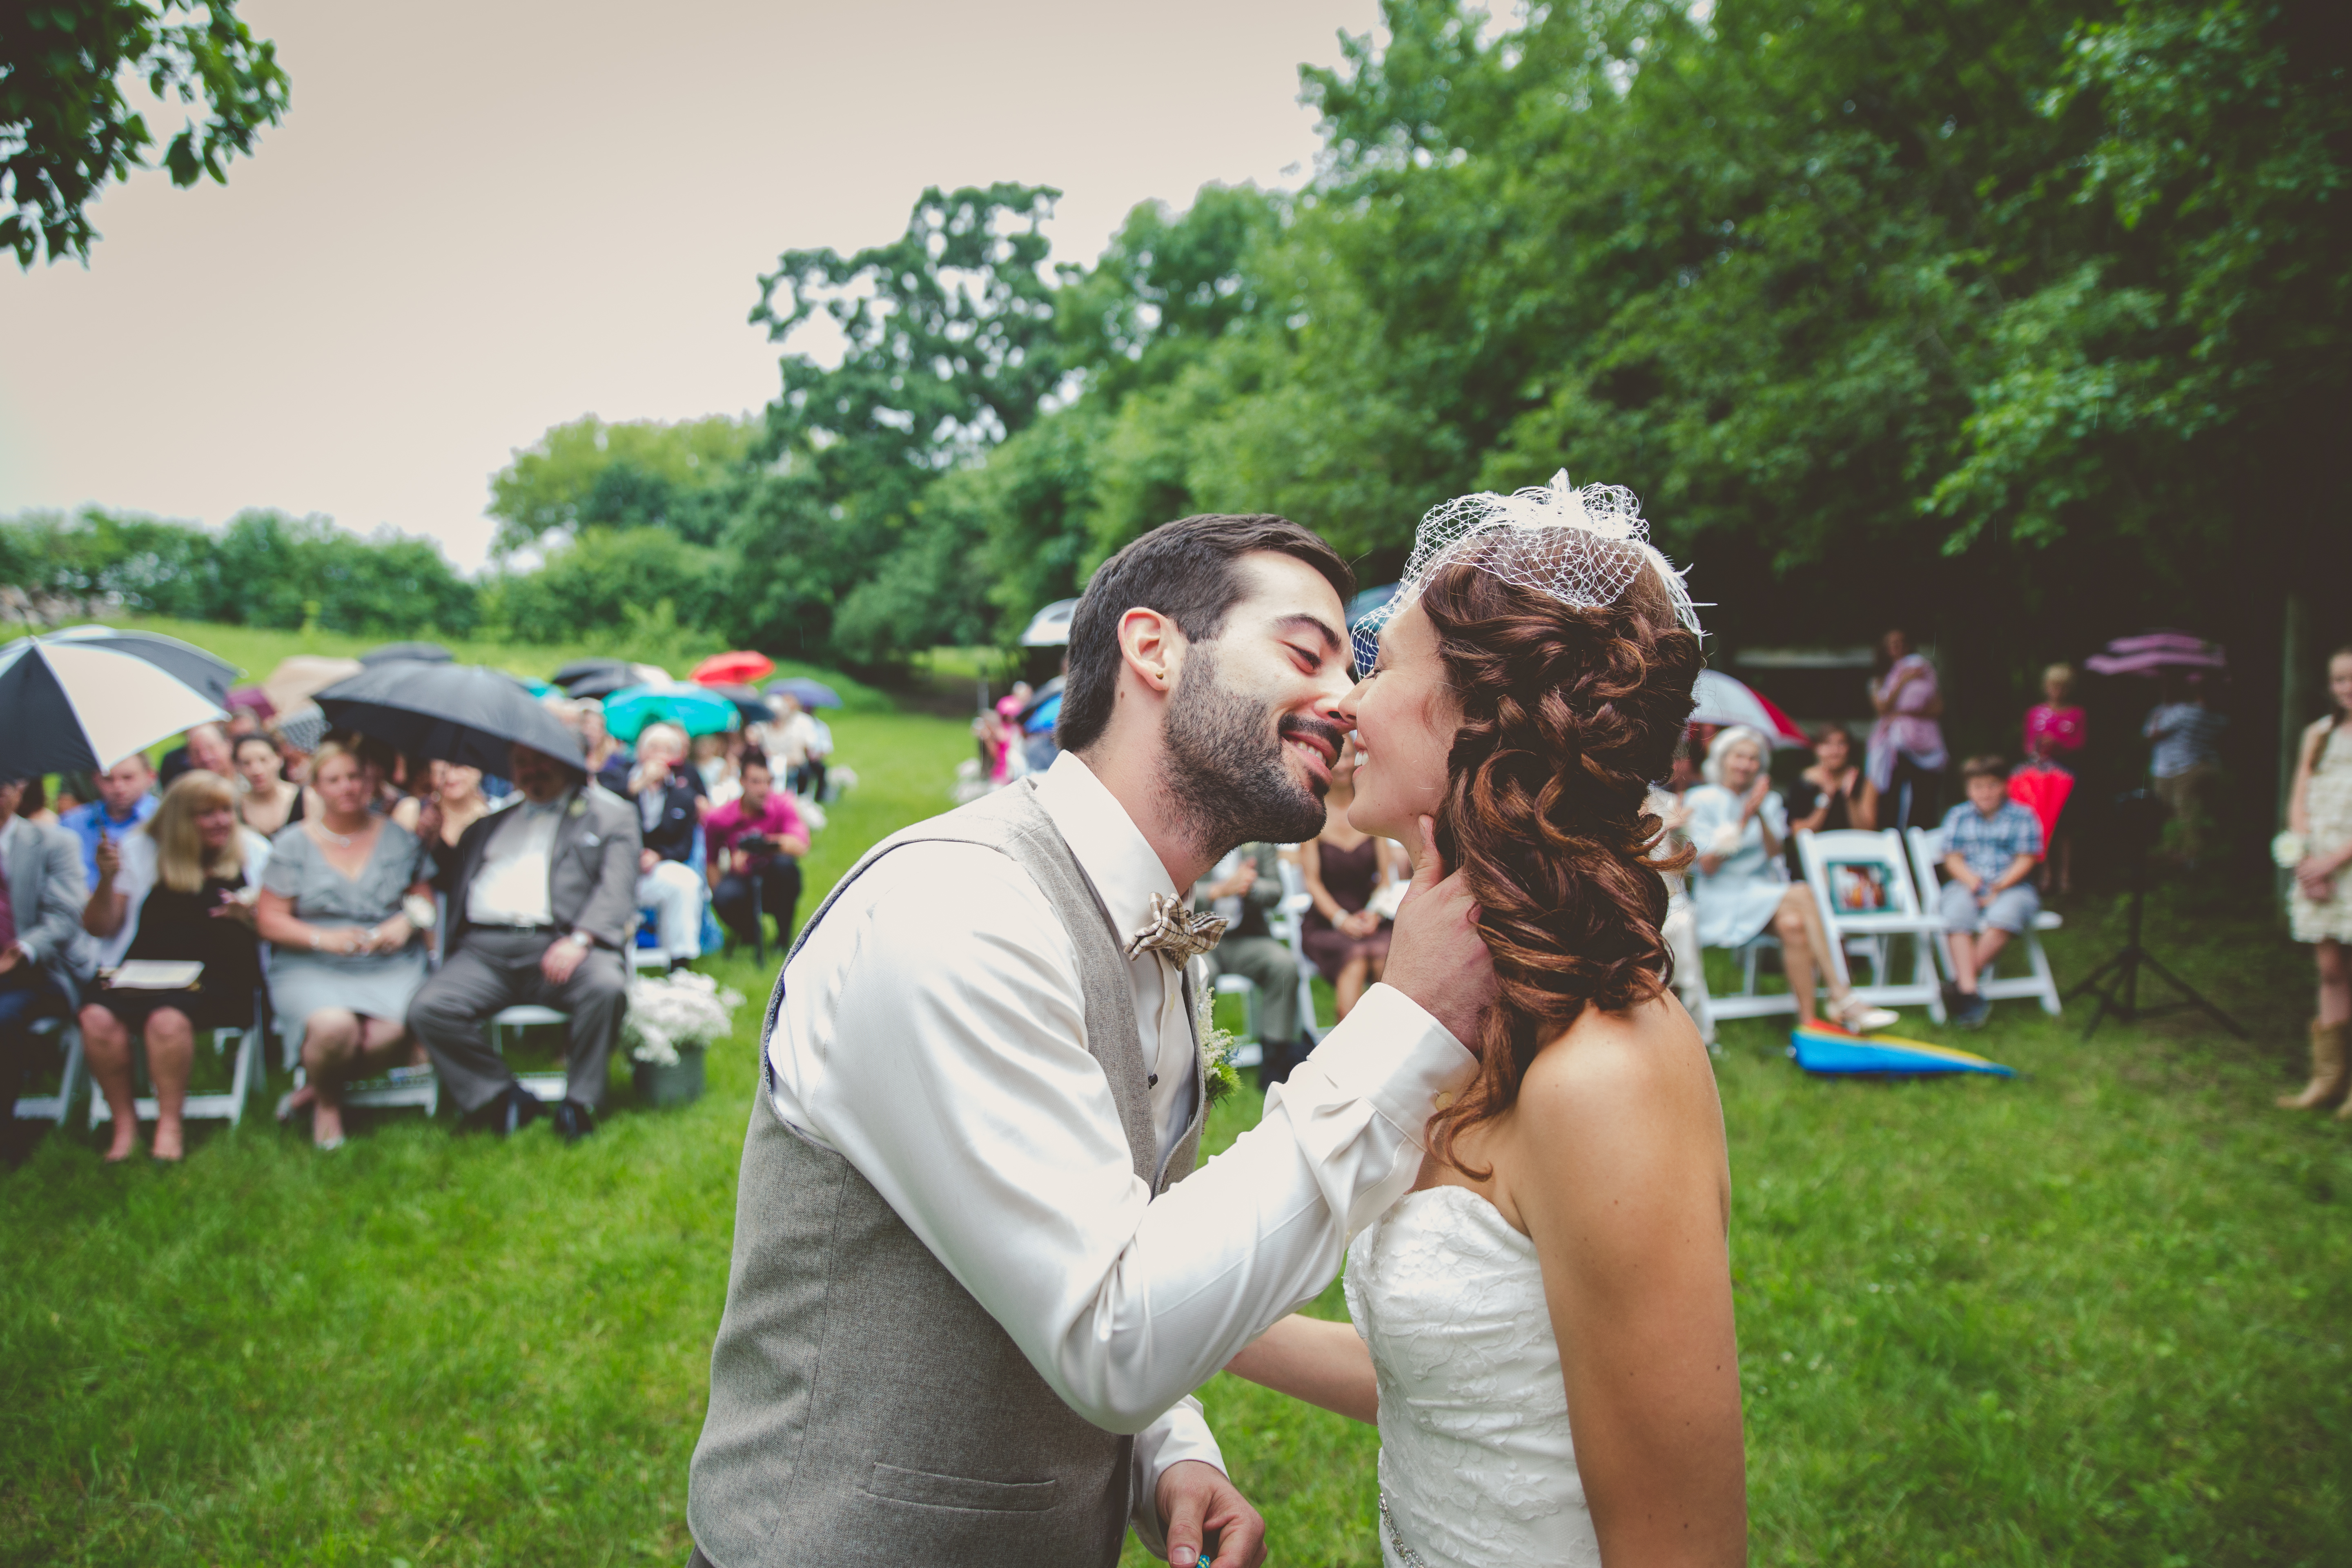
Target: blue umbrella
[[1833, 1053], [697, 710], [1040, 718], [807, 692]]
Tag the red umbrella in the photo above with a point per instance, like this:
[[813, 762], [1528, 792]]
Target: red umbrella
[[2044, 792], [1718, 698], [2151, 653], [739, 668]]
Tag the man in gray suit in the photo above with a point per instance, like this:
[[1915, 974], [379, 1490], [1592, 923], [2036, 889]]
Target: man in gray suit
[[541, 894], [46, 957]]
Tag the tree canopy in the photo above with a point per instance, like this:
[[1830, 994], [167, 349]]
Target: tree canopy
[[66, 128]]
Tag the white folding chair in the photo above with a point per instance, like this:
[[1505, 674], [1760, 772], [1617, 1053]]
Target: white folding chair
[[1927, 857], [229, 1107], [59, 1106], [1843, 860], [1748, 1002], [546, 1086]]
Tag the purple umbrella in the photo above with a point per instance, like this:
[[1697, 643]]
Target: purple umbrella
[[2151, 653]]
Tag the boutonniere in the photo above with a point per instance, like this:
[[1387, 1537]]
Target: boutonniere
[[579, 807], [1218, 1076]]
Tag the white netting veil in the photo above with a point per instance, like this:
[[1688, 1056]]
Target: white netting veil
[[1583, 547]]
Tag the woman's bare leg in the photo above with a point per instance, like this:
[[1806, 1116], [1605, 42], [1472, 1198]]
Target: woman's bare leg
[[106, 1046], [1349, 988], [1798, 926], [171, 1058], [330, 1048], [2334, 983]]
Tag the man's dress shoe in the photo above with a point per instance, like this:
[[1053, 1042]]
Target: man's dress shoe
[[514, 1109], [573, 1122]]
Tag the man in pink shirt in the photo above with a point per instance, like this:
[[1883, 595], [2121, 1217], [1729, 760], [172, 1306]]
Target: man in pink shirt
[[755, 843]]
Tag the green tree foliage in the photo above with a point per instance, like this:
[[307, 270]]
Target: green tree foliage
[[66, 128], [265, 568], [605, 579], [636, 474], [949, 346]]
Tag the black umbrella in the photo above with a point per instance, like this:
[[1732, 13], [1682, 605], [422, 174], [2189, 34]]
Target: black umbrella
[[81, 699], [605, 683], [748, 702], [419, 652], [463, 714], [582, 668]]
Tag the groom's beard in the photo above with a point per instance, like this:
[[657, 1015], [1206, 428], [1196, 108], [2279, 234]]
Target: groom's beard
[[1226, 766]]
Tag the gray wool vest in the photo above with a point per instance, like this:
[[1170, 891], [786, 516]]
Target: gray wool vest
[[864, 1410]]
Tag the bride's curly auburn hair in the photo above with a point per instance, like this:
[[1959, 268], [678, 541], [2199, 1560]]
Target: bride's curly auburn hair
[[1568, 714]]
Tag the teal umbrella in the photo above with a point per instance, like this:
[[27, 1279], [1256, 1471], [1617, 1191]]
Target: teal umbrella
[[697, 710]]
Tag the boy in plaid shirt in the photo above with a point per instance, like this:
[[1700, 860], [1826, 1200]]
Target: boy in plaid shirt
[[1991, 846]]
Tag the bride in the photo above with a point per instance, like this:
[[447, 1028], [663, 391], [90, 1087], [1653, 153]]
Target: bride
[[1543, 1324]]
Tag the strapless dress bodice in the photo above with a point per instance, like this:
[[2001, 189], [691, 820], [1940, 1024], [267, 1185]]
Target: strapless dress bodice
[[1477, 1464]]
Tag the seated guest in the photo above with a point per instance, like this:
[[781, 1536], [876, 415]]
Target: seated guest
[[1738, 886], [1342, 868], [126, 799], [715, 764], [344, 905], [207, 747], [755, 842], [1990, 844], [608, 761], [270, 800], [300, 732], [1831, 795], [541, 895], [180, 890], [670, 803], [457, 791], [46, 957], [1242, 887]]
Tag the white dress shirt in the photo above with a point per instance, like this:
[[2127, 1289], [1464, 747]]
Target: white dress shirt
[[933, 1033], [510, 887]]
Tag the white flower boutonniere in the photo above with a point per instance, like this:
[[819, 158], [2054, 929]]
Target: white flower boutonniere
[[1218, 1076]]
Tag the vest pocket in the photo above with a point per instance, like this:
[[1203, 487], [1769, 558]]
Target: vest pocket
[[892, 1484]]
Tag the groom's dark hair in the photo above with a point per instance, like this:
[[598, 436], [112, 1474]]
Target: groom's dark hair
[[1188, 571]]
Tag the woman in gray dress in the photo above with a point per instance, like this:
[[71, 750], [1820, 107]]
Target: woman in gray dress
[[348, 948]]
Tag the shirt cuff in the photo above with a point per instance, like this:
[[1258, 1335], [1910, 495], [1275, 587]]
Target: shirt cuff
[[1396, 1056], [1181, 1434]]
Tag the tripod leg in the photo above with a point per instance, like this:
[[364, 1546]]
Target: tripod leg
[[2193, 997], [2090, 982]]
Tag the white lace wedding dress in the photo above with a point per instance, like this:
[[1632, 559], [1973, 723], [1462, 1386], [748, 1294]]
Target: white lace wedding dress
[[1476, 1467]]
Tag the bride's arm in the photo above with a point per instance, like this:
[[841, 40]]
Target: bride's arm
[[1619, 1170], [1322, 1363]]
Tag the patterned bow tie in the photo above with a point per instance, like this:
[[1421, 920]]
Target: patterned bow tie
[[1175, 931]]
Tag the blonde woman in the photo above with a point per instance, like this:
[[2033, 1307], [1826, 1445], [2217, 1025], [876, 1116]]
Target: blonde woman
[[2319, 907], [179, 888], [346, 905]]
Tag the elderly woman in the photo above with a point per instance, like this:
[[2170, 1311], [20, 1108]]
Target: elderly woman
[[177, 888], [344, 904], [670, 805], [1739, 887]]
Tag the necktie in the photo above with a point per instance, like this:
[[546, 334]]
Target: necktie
[[7, 914]]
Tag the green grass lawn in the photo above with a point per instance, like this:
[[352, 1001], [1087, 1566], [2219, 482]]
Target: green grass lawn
[[2094, 1315]]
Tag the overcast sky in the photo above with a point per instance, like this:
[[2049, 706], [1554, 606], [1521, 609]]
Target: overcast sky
[[480, 220]]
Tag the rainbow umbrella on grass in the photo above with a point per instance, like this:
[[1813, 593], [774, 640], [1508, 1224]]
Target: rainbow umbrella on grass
[[1833, 1053]]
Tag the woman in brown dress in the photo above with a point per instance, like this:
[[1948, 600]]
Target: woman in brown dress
[[1342, 868]]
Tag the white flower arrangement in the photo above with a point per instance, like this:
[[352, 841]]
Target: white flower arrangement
[[683, 1009], [2288, 850]]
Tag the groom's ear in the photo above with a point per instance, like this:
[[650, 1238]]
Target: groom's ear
[[1150, 649]]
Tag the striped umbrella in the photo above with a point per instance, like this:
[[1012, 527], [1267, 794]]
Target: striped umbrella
[[81, 699]]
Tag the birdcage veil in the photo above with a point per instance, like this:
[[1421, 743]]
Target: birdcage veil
[[1583, 547]]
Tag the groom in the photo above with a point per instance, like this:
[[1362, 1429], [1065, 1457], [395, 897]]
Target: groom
[[968, 1300]]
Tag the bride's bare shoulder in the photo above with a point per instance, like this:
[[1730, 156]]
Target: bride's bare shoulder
[[1645, 1061]]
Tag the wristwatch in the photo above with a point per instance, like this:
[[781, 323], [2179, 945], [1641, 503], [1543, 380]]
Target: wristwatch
[[580, 938]]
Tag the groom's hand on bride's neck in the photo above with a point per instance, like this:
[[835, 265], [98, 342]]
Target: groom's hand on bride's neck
[[1198, 1504], [1435, 955]]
